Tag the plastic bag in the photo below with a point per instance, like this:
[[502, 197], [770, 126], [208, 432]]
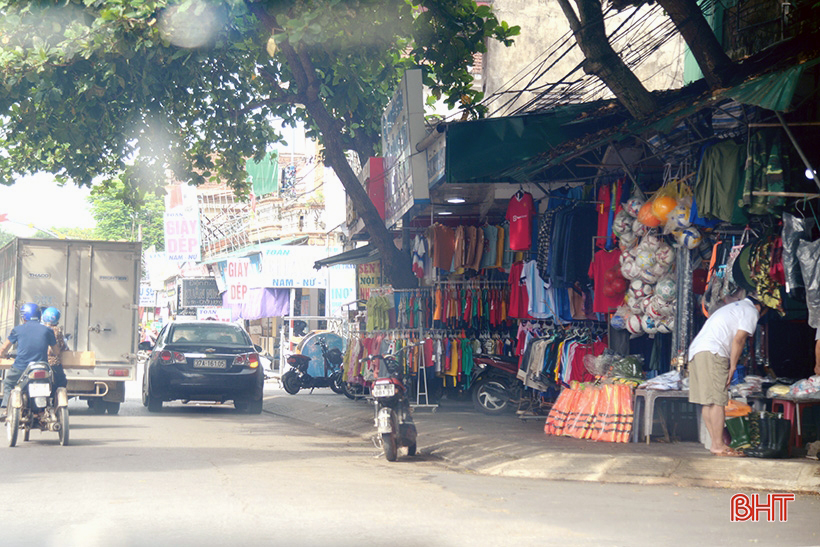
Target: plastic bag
[[630, 366], [794, 230], [808, 254]]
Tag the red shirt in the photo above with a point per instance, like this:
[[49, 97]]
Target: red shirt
[[519, 296], [519, 213], [603, 261]]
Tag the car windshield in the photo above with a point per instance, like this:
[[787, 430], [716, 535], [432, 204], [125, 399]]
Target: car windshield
[[208, 334]]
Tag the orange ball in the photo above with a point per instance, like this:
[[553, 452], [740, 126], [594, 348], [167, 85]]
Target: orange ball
[[646, 217], [662, 206]]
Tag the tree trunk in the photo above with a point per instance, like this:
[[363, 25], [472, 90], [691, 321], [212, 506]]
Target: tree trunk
[[396, 264], [717, 68], [603, 62]]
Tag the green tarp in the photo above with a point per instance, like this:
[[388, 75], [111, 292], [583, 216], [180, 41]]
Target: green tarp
[[774, 91], [264, 176]]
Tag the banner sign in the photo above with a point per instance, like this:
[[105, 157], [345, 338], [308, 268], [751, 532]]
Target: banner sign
[[217, 314], [182, 236], [369, 277], [148, 296], [237, 277]]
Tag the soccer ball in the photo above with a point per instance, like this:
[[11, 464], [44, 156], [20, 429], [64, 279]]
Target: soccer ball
[[678, 219], [627, 240], [665, 254], [689, 238], [622, 224], [633, 206], [667, 289], [634, 324], [649, 276], [649, 325], [635, 304], [645, 258], [663, 328], [640, 289], [619, 319], [639, 229]]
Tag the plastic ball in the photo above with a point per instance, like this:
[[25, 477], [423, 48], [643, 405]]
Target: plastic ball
[[619, 285], [649, 325], [630, 270], [662, 206], [633, 303], [663, 328], [633, 206], [634, 324], [646, 217], [689, 238], [667, 289], [659, 270]]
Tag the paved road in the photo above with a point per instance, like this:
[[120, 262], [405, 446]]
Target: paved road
[[199, 475]]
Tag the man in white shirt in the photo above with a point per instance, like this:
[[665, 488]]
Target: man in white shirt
[[713, 357]]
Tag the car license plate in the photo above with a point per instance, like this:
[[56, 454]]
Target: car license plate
[[39, 389], [209, 363]]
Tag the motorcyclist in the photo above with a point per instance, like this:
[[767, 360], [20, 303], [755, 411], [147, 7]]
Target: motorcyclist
[[50, 318], [33, 342]]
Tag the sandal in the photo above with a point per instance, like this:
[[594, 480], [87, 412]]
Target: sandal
[[729, 452]]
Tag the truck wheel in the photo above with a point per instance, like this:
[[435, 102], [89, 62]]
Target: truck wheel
[[291, 382], [62, 419], [112, 408], [12, 425], [96, 406]]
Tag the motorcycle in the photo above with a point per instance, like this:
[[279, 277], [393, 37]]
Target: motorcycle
[[35, 404], [495, 386], [393, 419], [297, 376]]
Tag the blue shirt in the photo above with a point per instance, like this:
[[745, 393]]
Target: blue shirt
[[33, 340]]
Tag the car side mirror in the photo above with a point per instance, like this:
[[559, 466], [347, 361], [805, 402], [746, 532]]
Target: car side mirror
[[257, 348], [146, 346]]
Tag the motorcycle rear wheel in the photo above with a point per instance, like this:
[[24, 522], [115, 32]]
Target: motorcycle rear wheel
[[291, 382], [12, 425], [336, 383], [391, 450], [62, 419], [490, 396]]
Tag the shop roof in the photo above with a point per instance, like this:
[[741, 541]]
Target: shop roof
[[359, 255]]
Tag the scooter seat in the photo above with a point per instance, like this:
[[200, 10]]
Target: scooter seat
[[298, 359]]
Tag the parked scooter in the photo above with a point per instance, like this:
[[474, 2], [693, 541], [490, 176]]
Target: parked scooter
[[35, 404], [297, 376], [496, 388], [393, 419]]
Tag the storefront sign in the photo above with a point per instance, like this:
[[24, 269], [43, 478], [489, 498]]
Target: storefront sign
[[402, 129], [182, 236], [201, 292], [237, 277], [292, 267], [148, 296], [369, 277], [341, 288], [216, 314], [436, 161]]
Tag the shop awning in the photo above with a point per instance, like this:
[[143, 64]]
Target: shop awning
[[360, 255], [489, 150]]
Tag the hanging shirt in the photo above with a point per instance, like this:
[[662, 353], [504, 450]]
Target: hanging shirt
[[519, 298], [442, 239], [520, 213], [539, 302], [488, 258], [603, 261]]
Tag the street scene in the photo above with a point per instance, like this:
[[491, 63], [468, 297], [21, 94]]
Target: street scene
[[203, 475], [410, 272]]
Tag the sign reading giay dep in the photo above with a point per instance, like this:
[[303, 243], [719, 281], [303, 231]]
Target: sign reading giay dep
[[237, 277]]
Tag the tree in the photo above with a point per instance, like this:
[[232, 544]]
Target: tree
[[602, 60], [68, 233], [118, 220], [151, 87]]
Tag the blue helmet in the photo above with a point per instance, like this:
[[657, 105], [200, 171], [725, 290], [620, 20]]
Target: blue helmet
[[30, 311], [51, 316]]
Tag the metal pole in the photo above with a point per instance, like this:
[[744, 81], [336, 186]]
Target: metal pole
[[803, 157]]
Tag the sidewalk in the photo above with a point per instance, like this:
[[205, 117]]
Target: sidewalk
[[507, 446]]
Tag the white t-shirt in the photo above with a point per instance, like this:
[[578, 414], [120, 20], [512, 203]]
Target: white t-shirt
[[719, 330]]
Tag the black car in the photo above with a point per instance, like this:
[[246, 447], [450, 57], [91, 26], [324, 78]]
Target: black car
[[203, 361]]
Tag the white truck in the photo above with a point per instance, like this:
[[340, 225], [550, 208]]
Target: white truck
[[95, 285]]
